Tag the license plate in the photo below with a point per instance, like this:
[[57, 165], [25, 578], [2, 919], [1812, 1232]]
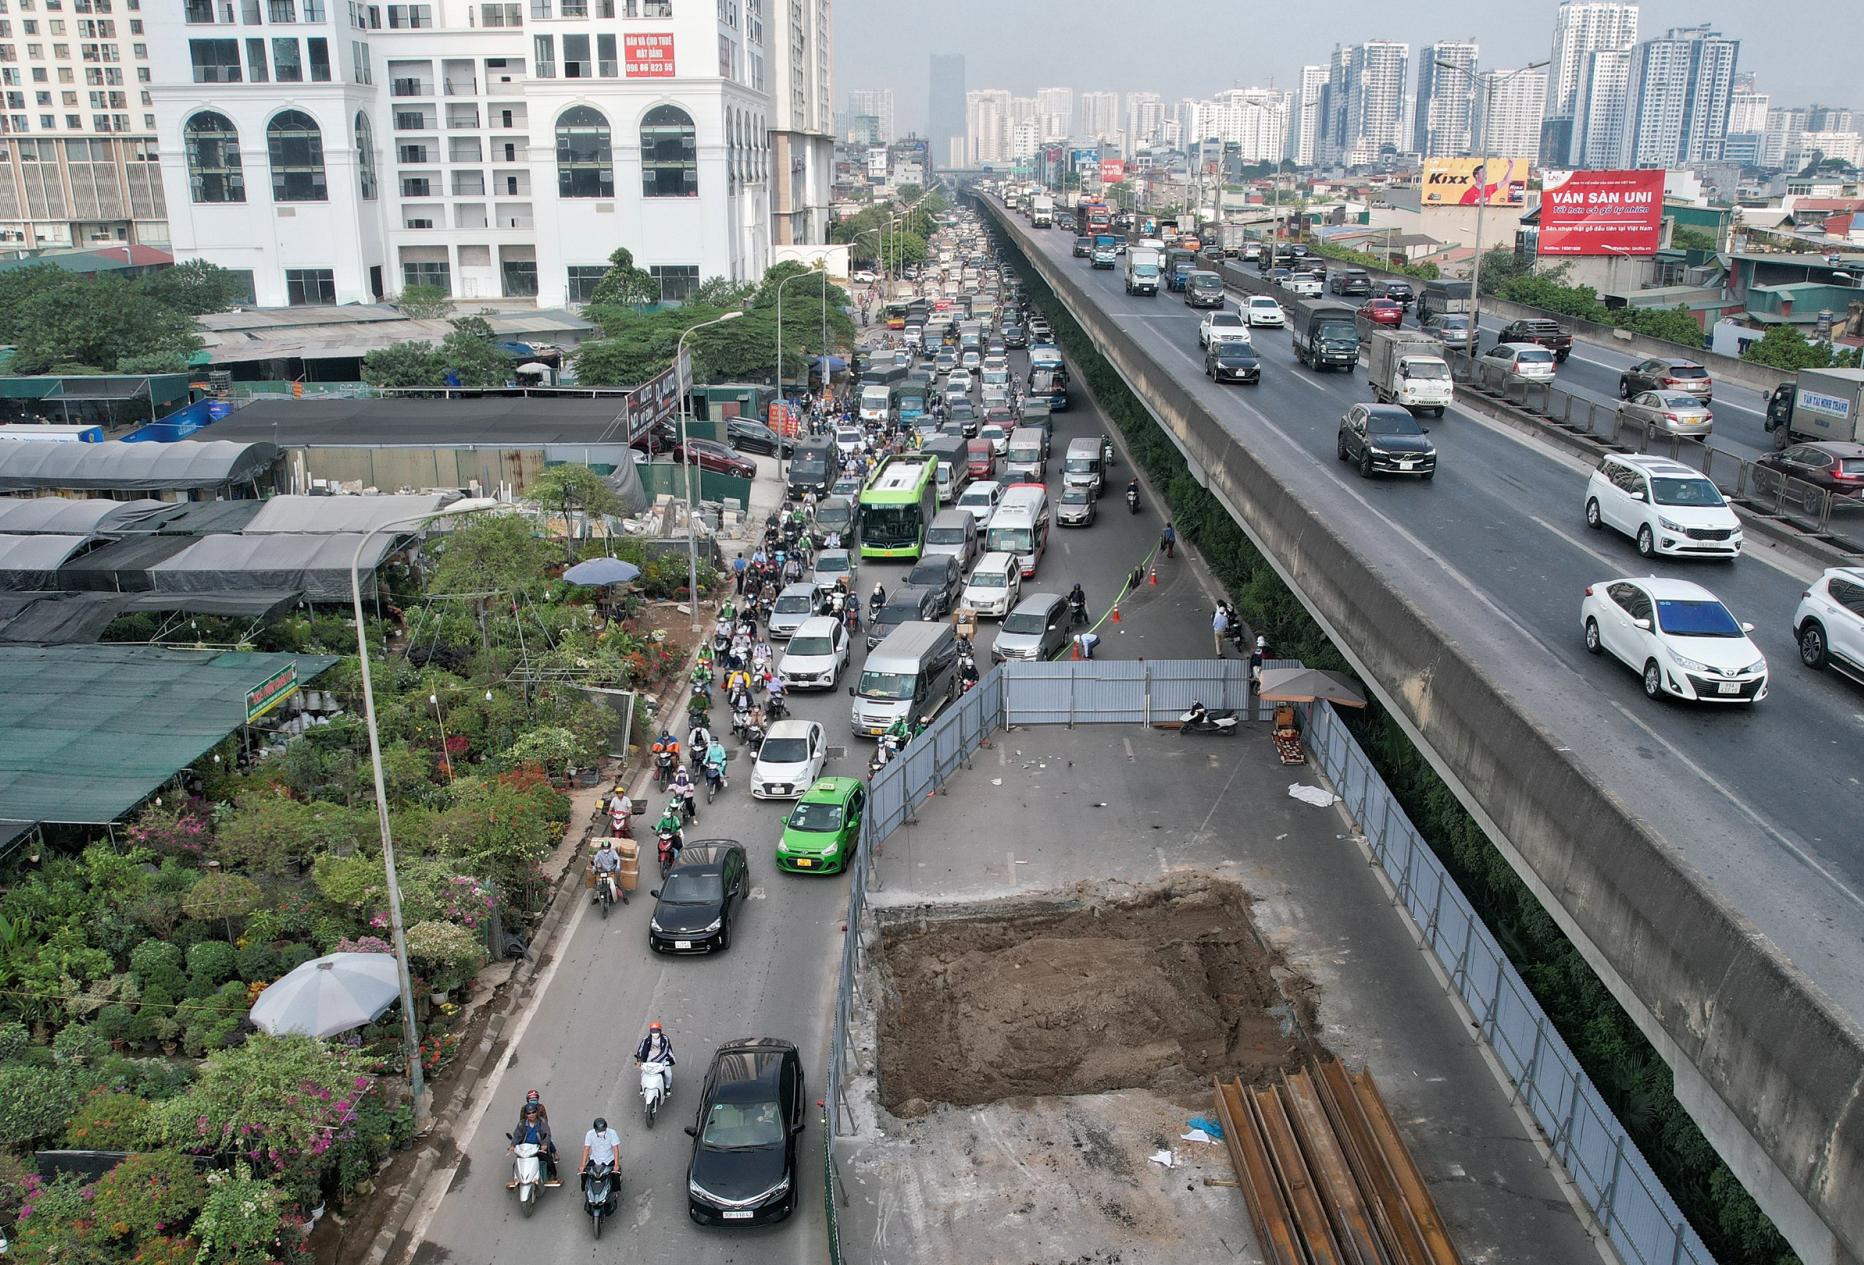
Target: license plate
[[1406, 465], [803, 863], [682, 944], [1728, 687], [737, 1214]]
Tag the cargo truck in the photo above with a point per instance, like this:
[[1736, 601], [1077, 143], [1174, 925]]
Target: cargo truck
[[1142, 271], [1042, 212], [1325, 335], [1439, 298], [1820, 404], [1407, 368]]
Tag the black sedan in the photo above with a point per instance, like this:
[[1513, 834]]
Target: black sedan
[[1232, 360], [743, 1170], [699, 898], [1386, 439], [746, 435], [943, 574]]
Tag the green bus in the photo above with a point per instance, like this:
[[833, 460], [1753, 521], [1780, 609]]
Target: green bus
[[898, 504]]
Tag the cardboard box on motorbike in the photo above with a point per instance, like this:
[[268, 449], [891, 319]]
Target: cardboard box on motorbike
[[629, 875]]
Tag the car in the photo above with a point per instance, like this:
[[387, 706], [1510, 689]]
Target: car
[[1382, 312], [823, 830], [816, 656], [1105, 257], [945, 361], [1664, 505], [1262, 309], [996, 428], [849, 485], [1672, 412], [980, 457], [709, 454], [1666, 373], [1541, 332], [1015, 335], [943, 574], [1230, 360], [1386, 439], [1279, 275], [832, 565], [791, 756], [1301, 284], [834, 517], [1083, 247], [1039, 330], [970, 361], [1350, 281], [745, 435], [1524, 360], [1037, 628], [1399, 292], [906, 604], [850, 440], [1829, 623], [960, 379], [995, 585], [752, 1108], [1221, 325], [863, 277], [980, 499], [1836, 467], [1452, 329], [795, 604], [698, 900], [1677, 636], [1077, 507]]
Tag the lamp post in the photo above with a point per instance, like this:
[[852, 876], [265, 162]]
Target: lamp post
[[1482, 197], [686, 459], [417, 1085], [818, 272]]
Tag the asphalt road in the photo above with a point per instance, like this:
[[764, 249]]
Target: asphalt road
[[576, 1045], [1497, 549]]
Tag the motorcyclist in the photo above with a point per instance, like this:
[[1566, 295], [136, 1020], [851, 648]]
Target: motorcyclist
[[669, 825], [534, 1127], [655, 1047], [620, 811], [1106, 449], [899, 732], [875, 601], [607, 864], [685, 794], [1077, 603], [601, 1145], [774, 693], [1132, 492], [696, 743], [715, 758]]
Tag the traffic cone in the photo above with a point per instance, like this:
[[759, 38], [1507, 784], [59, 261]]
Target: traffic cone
[[1155, 574], [1116, 613], [1077, 649]]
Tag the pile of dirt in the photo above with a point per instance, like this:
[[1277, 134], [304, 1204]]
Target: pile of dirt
[[1079, 995]]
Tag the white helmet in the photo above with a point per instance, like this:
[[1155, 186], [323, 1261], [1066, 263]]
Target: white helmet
[[1262, 643]]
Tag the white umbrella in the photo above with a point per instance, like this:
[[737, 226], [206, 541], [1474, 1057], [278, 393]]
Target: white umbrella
[[328, 995], [536, 366]]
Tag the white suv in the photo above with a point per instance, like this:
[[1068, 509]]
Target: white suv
[[1668, 508], [1829, 624]]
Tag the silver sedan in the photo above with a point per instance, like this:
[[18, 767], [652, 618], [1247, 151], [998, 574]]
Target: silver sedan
[[1672, 412]]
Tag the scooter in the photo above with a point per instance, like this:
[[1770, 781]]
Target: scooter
[[601, 1186], [774, 708], [663, 765], [1077, 612], [1222, 723], [1132, 499], [655, 1086], [714, 781], [606, 890], [527, 1170], [668, 848]]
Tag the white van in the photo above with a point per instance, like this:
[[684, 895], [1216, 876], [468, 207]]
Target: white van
[[953, 531], [877, 403], [1081, 465], [913, 673], [1027, 456], [1020, 525]]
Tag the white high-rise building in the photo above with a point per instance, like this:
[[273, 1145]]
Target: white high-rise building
[[1059, 103], [1780, 138], [1599, 135], [987, 126], [1369, 81], [1747, 111], [1677, 97], [1581, 28], [1100, 114], [1145, 114], [1255, 120], [1446, 91], [1025, 141], [490, 148], [1509, 114], [1305, 139], [1022, 110], [875, 103]]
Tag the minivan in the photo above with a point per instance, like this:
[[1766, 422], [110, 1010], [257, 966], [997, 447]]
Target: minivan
[[1036, 629], [1028, 454], [1669, 508], [906, 604], [912, 673], [994, 586], [812, 467], [953, 531], [1081, 465]]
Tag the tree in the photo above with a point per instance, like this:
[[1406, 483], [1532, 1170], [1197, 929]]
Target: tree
[[568, 488], [491, 555], [624, 285], [461, 359], [1784, 347], [97, 322], [1688, 237], [424, 302], [720, 292], [18, 287], [1672, 324], [196, 287]]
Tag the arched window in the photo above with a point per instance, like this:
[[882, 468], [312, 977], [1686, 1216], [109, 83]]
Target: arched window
[[365, 157], [295, 145], [585, 159], [214, 173], [669, 154]]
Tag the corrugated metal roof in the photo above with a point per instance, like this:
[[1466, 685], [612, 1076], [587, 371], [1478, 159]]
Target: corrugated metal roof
[[118, 466], [325, 515]]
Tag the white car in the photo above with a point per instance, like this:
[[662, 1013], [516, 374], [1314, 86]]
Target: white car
[[960, 380], [816, 656], [998, 437], [1301, 285], [995, 585], [1262, 309], [1221, 327], [850, 441], [970, 359], [981, 498], [789, 761], [1829, 624], [1677, 636], [832, 565], [1664, 505], [796, 604], [864, 277]]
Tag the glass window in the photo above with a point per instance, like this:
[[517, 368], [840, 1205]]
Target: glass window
[[582, 280], [520, 278], [313, 10], [256, 62], [283, 10], [544, 56], [669, 154], [365, 157], [215, 61], [310, 286], [319, 51], [606, 65], [287, 61], [677, 281], [436, 274], [585, 159], [576, 57], [295, 147], [212, 146]]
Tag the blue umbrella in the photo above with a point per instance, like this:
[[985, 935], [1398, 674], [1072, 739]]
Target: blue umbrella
[[600, 571]]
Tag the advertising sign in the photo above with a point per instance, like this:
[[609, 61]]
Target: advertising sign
[[1467, 181], [1112, 170], [656, 400], [1601, 212], [272, 691], [648, 56]]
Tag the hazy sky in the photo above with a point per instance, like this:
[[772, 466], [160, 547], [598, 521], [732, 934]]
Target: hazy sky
[[1195, 50]]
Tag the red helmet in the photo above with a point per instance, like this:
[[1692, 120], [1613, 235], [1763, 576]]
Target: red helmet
[[533, 1096], [654, 1026]]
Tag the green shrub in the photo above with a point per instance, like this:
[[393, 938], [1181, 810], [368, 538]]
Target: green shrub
[[156, 961], [160, 1079], [14, 1040], [35, 1102], [108, 1120], [13, 1174], [445, 952], [222, 898], [257, 961], [210, 1023], [78, 1045], [50, 1229], [212, 960], [115, 1022], [293, 954], [147, 1194], [156, 1015]]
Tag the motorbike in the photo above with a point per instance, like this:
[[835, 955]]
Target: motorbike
[[714, 781], [741, 721], [668, 849], [884, 752], [687, 804], [1222, 723], [606, 890], [1077, 610], [774, 709], [527, 1171], [663, 766], [601, 1194], [654, 1082], [1132, 500]]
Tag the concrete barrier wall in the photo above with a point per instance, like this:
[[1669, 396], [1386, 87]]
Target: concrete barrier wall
[[1764, 1063]]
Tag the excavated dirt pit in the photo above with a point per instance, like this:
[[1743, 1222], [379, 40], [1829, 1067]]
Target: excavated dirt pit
[[1081, 993]]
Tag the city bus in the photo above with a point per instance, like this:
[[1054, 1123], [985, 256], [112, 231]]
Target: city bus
[[1020, 525], [898, 504]]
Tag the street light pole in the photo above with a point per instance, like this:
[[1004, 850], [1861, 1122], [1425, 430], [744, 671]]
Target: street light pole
[[682, 371], [410, 1036], [818, 272], [1482, 197]]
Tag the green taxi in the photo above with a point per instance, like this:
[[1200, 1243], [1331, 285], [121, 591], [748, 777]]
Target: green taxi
[[823, 829]]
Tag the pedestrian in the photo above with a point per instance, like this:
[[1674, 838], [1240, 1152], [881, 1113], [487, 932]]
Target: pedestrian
[[1256, 656], [739, 569], [1219, 626], [1168, 541], [1087, 641]]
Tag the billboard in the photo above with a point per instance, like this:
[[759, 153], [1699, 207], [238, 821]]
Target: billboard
[[1601, 212], [647, 56], [1456, 182], [656, 400], [1112, 170]]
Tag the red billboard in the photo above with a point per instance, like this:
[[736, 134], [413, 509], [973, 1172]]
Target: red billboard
[[647, 56], [1601, 212], [1112, 170]]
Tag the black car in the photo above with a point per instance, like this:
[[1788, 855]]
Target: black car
[[1399, 292], [1351, 281], [746, 435], [1083, 247], [1386, 439], [1542, 333], [1232, 360], [751, 1111], [943, 574], [699, 898], [904, 605], [1015, 336]]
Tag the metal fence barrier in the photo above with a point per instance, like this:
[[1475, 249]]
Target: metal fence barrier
[[1636, 1212]]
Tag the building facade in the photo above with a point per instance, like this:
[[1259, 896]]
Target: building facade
[[1581, 28], [491, 149], [802, 120], [1444, 125], [1100, 115], [1056, 107], [876, 103], [1145, 115], [1678, 95], [1510, 110], [1599, 138], [945, 110], [986, 126], [1304, 144], [1367, 90]]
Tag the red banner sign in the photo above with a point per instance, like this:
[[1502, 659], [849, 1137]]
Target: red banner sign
[[1112, 170], [648, 56], [1601, 212]]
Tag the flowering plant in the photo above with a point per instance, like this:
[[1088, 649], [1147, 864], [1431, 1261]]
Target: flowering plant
[[239, 1223]]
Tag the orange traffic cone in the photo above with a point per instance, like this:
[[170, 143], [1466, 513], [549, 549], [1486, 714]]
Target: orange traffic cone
[[1115, 616], [1077, 649], [1155, 574]]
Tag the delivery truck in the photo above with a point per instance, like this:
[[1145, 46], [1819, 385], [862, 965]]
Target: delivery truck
[[1142, 271], [1324, 334], [1407, 368], [1820, 404], [1042, 211]]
